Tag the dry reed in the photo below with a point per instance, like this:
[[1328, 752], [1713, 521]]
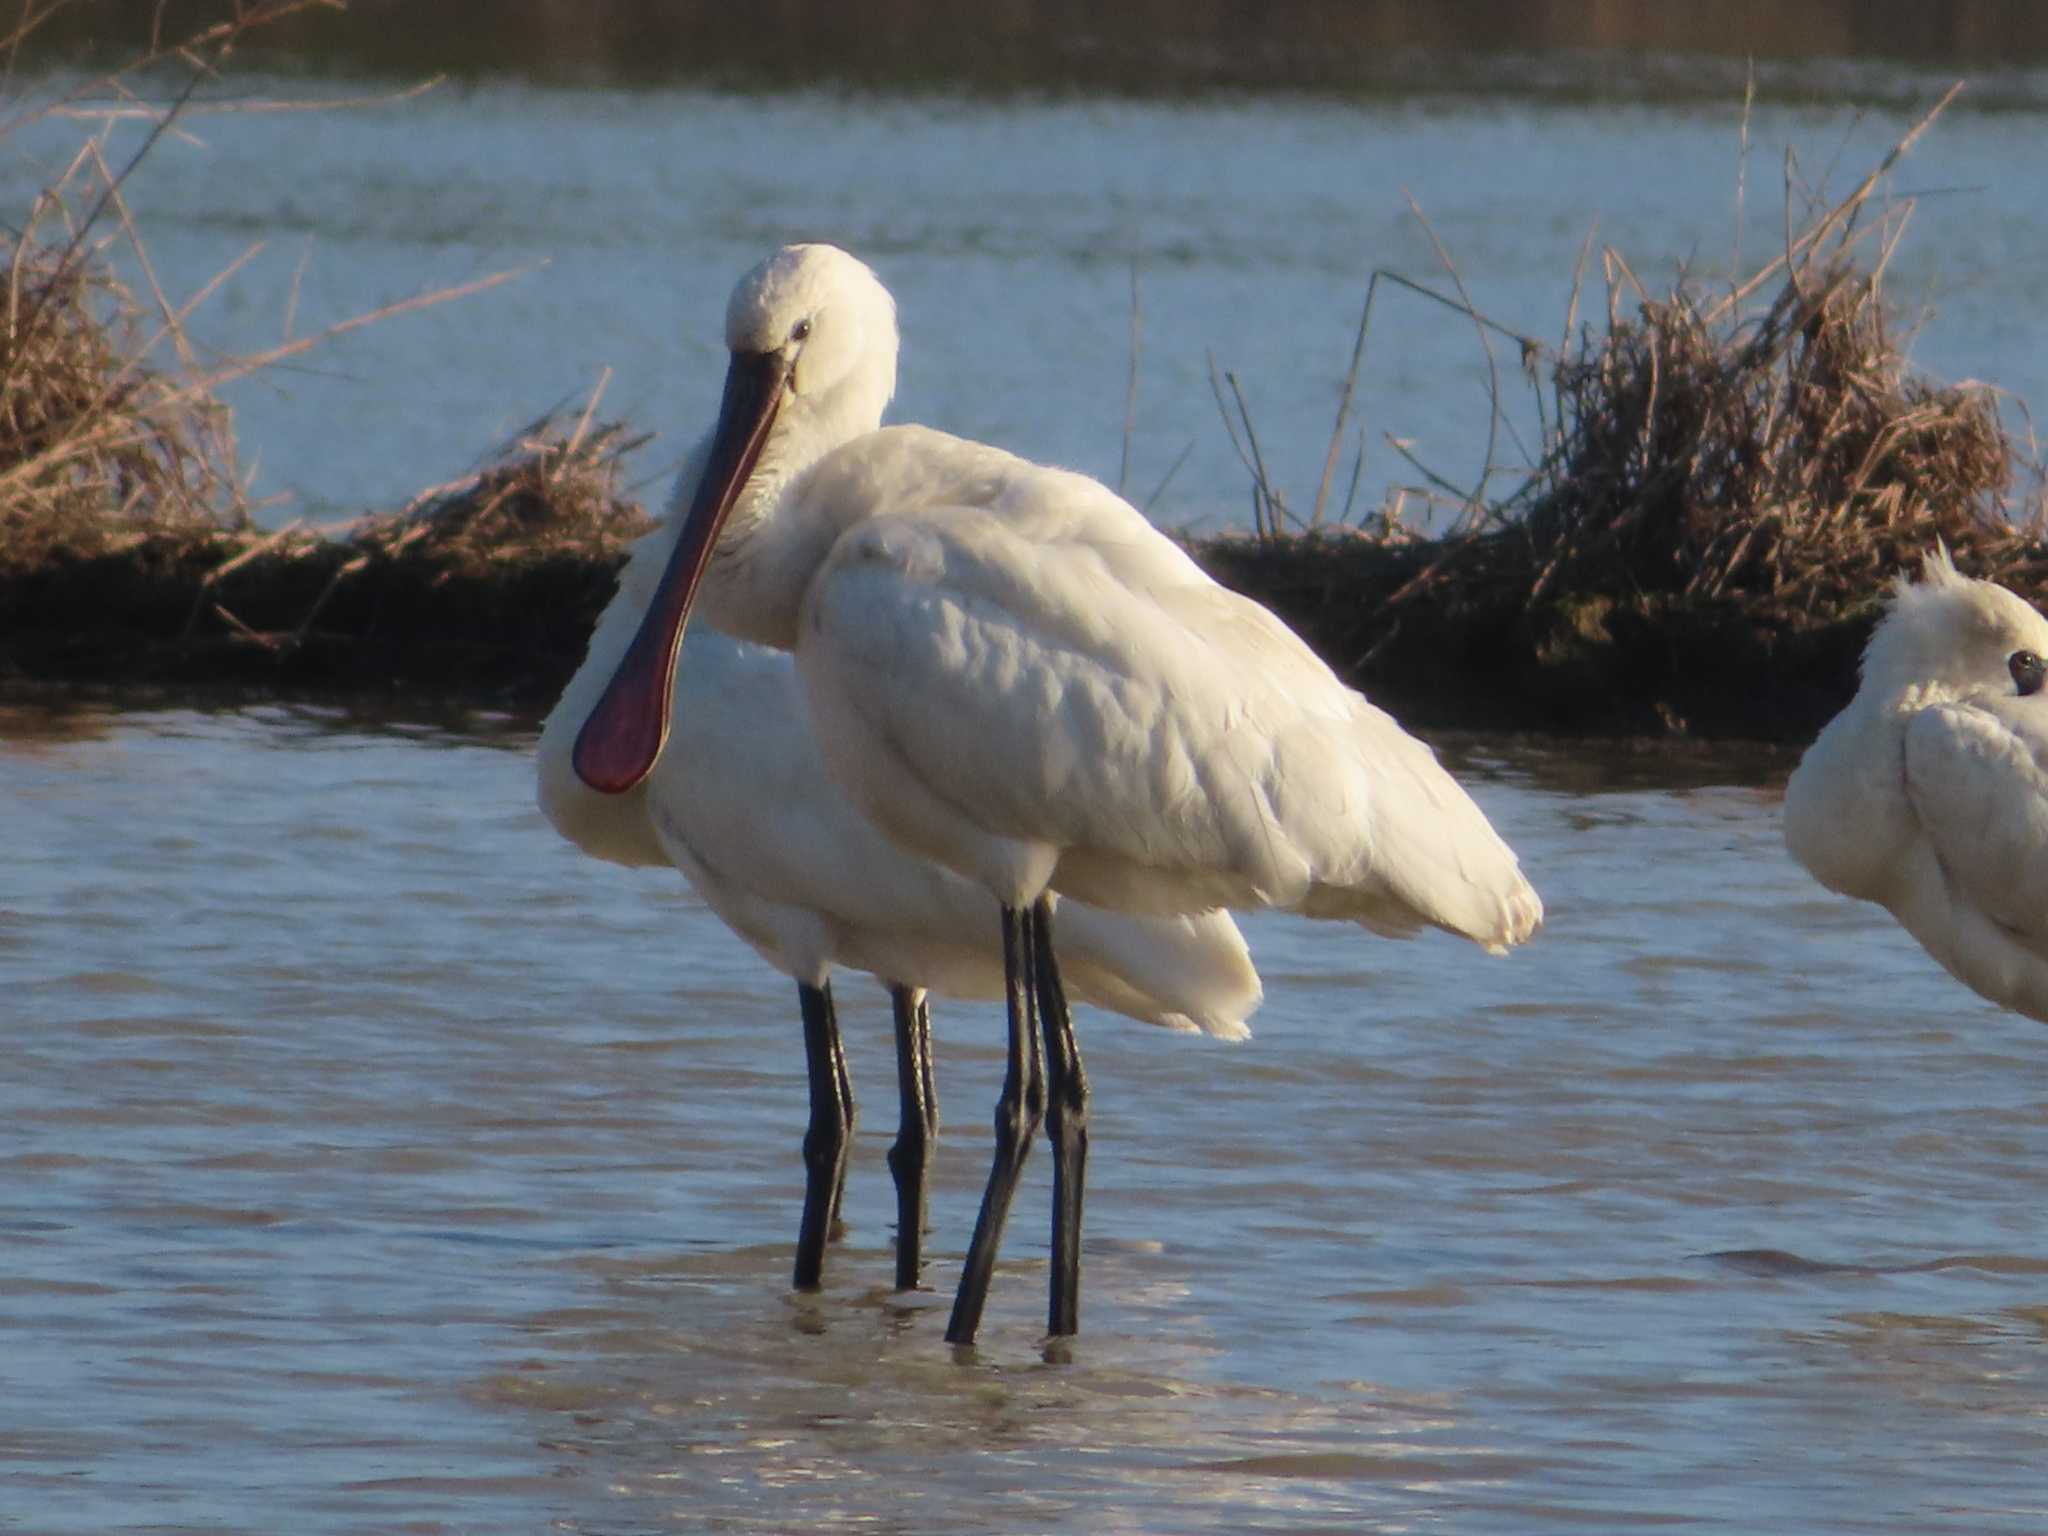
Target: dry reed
[[1767, 442], [550, 491], [1783, 452], [113, 430], [551, 498]]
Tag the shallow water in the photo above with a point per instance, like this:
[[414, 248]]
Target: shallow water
[[374, 1162]]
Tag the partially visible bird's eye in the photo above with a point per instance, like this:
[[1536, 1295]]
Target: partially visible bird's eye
[[800, 331], [2028, 671]]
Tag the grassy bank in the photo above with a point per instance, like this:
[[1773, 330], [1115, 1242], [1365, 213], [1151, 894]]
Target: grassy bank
[[1726, 476], [485, 589], [366, 615], [1729, 475]]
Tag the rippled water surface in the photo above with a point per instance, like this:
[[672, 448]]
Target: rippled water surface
[[1011, 232], [374, 1162], [370, 1161]]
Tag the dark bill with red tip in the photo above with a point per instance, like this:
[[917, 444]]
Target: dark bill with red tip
[[624, 734]]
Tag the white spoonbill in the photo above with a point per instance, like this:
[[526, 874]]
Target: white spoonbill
[[740, 802], [1014, 674], [1928, 794]]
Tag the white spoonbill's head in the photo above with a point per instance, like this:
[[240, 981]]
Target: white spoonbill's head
[[813, 339], [1957, 637], [828, 324]]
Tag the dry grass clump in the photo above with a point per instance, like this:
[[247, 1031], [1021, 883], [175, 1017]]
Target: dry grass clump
[[127, 547], [548, 492], [1707, 447], [1761, 440], [103, 446], [99, 448], [1793, 457], [550, 500], [114, 434], [1726, 477], [1789, 456]]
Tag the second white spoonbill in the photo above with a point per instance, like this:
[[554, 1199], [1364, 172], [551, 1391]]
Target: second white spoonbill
[[1929, 794], [1013, 673]]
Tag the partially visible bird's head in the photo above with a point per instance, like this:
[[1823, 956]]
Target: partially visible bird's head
[[1957, 636]]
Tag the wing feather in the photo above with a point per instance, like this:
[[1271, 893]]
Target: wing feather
[[1174, 741], [1977, 778]]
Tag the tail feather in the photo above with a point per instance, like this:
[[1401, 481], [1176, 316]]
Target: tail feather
[[1429, 857], [1184, 973]]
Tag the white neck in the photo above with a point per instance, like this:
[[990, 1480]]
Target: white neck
[[776, 537], [753, 589]]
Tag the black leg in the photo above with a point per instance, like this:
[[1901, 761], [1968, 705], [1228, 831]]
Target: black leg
[[910, 1158], [931, 1087], [1019, 1111], [1066, 1125], [827, 1138], [849, 1119]]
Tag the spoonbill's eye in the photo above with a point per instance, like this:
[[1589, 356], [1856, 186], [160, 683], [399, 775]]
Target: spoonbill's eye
[[2028, 671], [800, 331]]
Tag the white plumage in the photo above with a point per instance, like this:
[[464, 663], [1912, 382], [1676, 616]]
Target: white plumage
[[1014, 674], [1929, 794], [741, 803], [1141, 737]]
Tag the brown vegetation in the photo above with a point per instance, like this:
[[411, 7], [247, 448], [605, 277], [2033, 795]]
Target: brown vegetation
[[1727, 482], [487, 587], [1785, 454], [1672, 49], [100, 448], [124, 520], [1727, 477]]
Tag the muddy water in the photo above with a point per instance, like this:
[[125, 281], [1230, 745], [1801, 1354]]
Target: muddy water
[[370, 1161]]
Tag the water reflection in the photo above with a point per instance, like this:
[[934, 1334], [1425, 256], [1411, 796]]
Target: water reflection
[[1642, 51], [691, 1391], [34, 730]]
